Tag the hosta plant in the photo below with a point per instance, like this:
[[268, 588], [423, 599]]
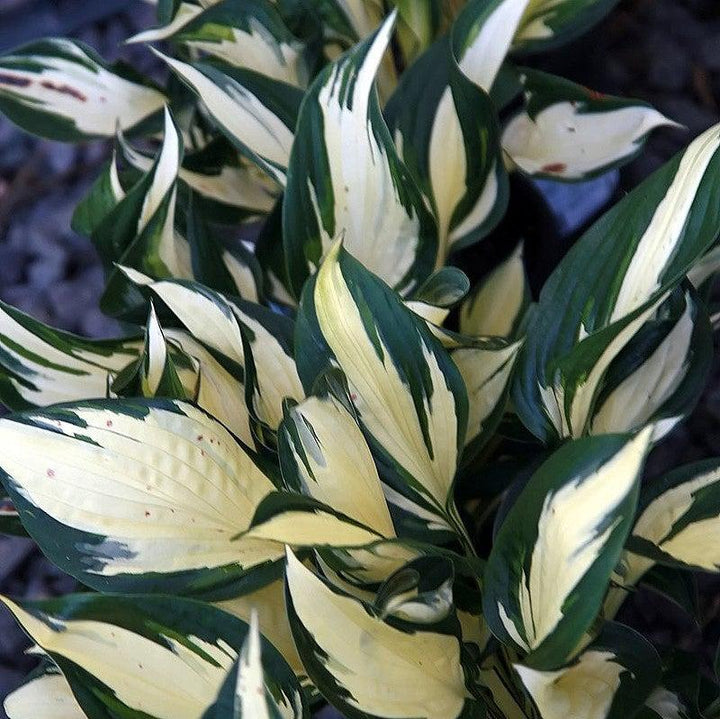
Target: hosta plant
[[320, 466]]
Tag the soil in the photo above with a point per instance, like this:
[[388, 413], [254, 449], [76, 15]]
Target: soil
[[664, 51]]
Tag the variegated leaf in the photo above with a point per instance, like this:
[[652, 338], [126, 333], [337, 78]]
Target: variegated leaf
[[160, 371], [678, 522], [497, 305], [345, 179], [482, 35], [602, 292], [245, 693], [374, 667], [269, 604], [9, 518], [552, 559], [45, 693], [611, 679], [134, 494], [447, 134], [547, 23], [104, 196], [61, 89], [409, 396], [419, 24], [256, 114], [40, 365], [225, 326], [706, 268], [486, 370], [216, 174], [324, 455], [567, 132], [117, 653], [660, 375], [243, 33]]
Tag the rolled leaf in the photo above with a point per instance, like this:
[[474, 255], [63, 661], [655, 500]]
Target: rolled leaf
[[373, 668], [486, 371], [603, 291], [61, 89], [551, 561], [40, 365], [117, 652], [345, 179], [409, 396], [446, 131], [567, 132], [138, 495]]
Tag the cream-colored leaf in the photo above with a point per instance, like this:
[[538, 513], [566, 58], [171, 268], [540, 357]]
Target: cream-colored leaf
[[336, 466], [657, 245], [133, 667], [76, 89], [167, 490], [486, 373], [385, 671], [495, 308], [569, 144], [584, 689], [48, 696], [572, 532], [633, 402], [381, 396]]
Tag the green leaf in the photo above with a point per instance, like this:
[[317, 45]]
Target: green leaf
[[551, 561], [135, 495], [610, 283], [117, 653], [409, 396], [40, 365], [567, 132], [447, 134], [61, 89], [372, 202]]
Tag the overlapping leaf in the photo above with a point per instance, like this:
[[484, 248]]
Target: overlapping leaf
[[447, 134], [118, 652], [345, 179], [63, 90], [247, 34], [375, 667], [552, 559], [409, 396], [602, 292], [40, 365], [611, 679], [257, 114], [134, 494]]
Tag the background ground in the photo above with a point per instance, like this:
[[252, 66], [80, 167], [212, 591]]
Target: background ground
[[663, 51]]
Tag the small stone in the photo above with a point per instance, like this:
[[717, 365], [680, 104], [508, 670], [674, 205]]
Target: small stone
[[709, 52]]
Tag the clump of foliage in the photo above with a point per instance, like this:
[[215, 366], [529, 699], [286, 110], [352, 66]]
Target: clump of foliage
[[296, 480]]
